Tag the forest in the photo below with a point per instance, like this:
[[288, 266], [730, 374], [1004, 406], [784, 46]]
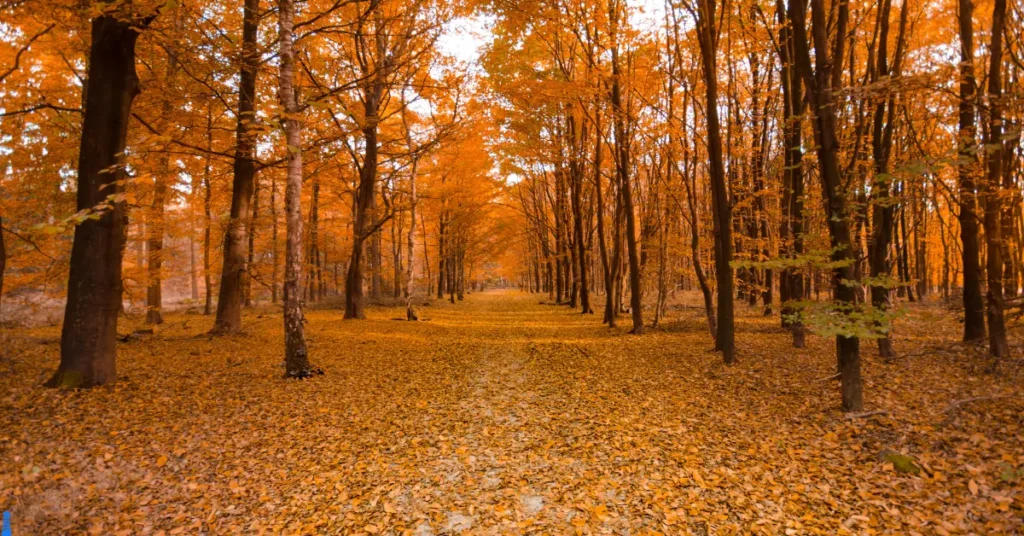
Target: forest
[[433, 267]]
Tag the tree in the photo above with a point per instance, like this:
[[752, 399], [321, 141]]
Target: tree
[[726, 333], [881, 148], [821, 89], [229, 302], [89, 334], [622, 123], [974, 310], [296, 360], [998, 347]]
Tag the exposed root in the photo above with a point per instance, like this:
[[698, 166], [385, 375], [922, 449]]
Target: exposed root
[[302, 374]]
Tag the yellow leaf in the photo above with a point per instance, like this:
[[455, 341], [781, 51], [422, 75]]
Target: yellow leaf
[[161, 461]]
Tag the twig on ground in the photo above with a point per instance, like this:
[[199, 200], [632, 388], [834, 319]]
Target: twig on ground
[[852, 416], [957, 403]]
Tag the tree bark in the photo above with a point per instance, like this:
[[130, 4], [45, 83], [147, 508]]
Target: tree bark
[[154, 294], [820, 83], [296, 360], [89, 334], [881, 147], [410, 312], [3, 266], [576, 187], [229, 303], [997, 343], [974, 308], [725, 340], [207, 215]]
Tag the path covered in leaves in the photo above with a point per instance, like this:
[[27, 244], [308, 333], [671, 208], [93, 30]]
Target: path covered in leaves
[[500, 415]]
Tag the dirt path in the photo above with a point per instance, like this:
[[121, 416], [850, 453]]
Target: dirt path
[[496, 416]]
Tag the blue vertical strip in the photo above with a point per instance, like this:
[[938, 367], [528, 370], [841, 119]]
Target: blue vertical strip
[[7, 525]]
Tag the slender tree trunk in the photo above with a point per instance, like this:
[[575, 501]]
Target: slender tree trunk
[[208, 216], [881, 147], [791, 283], [229, 302], [273, 240], [997, 343], [3, 266], [821, 86], [609, 314], [974, 308], [296, 360], [154, 294], [89, 334], [725, 340], [314, 240], [702, 280], [581, 249], [410, 312], [250, 262]]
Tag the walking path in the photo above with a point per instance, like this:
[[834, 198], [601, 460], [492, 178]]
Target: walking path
[[497, 415]]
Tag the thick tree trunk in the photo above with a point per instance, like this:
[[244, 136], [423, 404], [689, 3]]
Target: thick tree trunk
[[725, 340], [296, 360], [229, 302], [974, 308], [89, 334]]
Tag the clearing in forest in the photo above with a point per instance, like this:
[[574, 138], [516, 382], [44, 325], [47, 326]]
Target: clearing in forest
[[500, 415]]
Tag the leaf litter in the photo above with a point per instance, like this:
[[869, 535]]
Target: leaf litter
[[501, 416]]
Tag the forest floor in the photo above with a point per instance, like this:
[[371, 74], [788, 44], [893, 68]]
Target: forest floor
[[499, 415]]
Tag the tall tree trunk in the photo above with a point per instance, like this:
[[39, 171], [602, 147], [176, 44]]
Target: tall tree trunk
[[154, 294], [296, 360], [363, 227], [626, 186], [3, 266], [410, 312], [581, 247], [609, 314], [314, 240], [791, 284], [689, 182], [208, 215], [250, 262], [273, 240], [821, 86], [997, 344], [881, 147], [725, 340], [89, 334], [974, 308], [229, 302]]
